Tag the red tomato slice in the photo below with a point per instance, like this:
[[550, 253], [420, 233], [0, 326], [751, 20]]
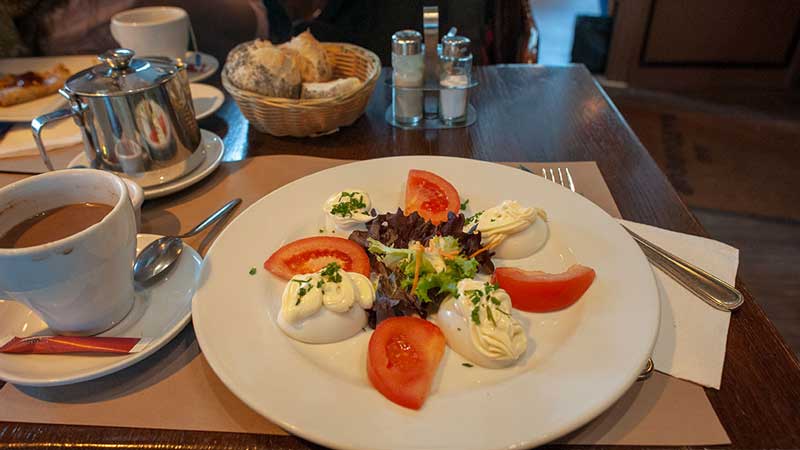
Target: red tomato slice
[[431, 196], [535, 291], [312, 254], [402, 359]]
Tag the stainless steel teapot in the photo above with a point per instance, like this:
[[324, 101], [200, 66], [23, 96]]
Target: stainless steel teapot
[[135, 115]]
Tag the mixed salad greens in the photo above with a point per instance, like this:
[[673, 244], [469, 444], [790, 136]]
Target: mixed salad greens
[[417, 264]]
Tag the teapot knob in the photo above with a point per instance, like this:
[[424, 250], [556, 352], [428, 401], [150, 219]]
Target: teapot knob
[[117, 59]]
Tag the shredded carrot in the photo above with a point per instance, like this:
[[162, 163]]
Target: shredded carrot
[[449, 255], [417, 266], [485, 248]]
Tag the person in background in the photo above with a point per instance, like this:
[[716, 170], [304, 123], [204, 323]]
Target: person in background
[[68, 27], [11, 41], [370, 24], [496, 28]]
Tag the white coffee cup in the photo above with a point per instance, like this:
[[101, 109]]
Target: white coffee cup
[[152, 31], [82, 284]]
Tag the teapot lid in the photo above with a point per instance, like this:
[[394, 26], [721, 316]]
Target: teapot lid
[[121, 74]]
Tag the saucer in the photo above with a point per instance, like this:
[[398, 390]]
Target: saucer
[[212, 146], [200, 65], [206, 99], [159, 312]]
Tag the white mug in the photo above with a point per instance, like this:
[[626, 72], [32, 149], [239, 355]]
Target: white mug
[[82, 284], [152, 31]]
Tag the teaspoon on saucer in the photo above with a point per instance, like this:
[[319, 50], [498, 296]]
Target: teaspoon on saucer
[[154, 260]]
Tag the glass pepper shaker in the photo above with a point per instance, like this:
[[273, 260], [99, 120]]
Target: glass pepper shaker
[[408, 69], [455, 65]]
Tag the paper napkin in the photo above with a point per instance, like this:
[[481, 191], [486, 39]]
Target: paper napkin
[[18, 141], [692, 336]]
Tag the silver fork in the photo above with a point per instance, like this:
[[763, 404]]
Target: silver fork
[[567, 182], [707, 287]]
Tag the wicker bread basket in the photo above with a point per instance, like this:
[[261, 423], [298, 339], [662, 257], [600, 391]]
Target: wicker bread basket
[[312, 117]]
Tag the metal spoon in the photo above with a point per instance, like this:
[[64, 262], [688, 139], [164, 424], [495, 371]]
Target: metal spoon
[[154, 260]]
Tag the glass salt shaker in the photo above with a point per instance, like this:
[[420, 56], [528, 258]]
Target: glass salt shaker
[[408, 69], [455, 65]]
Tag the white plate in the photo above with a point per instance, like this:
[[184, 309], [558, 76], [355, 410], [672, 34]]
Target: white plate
[[25, 112], [159, 313], [212, 146], [206, 67], [206, 99], [580, 360]]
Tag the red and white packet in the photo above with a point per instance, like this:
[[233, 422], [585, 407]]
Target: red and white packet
[[53, 345]]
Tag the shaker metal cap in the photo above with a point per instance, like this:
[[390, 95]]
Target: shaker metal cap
[[455, 46], [407, 42], [121, 74]]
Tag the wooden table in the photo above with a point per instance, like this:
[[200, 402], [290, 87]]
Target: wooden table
[[526, 113]]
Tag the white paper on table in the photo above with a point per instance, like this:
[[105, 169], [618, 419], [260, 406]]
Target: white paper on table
[[692, 335], [18, 141]]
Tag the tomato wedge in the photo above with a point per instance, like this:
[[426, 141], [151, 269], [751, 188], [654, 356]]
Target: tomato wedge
[[535, 291], [402, 359], [314, 253], [431, 196]]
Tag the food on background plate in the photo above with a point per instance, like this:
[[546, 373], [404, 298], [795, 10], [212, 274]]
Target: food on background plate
[[325, 306], [536, 291], [335, 88], [431, 196], [400, 272], [300, 66], [313, 61], [24, 87], [402, 359], [347, 209], [314, 253], [511, 230], [479, 325]]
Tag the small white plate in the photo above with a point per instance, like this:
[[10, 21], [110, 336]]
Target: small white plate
[[25, 112], [200, 68], [206, 99], [212, 146], [160, 312]]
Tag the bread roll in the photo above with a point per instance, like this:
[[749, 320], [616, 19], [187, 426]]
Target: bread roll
[[258, 66], [315, 66], [335, 88]]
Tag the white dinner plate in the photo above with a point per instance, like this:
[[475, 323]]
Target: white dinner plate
[[212, 147], [206, 99], [579, 361], [25, 112], [200, 65], [160, 312]]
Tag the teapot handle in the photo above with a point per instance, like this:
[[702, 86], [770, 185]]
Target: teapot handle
[[36, 127]]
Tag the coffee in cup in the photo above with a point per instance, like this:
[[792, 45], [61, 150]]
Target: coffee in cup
[[153, 31], [54, 224], [67, 245]]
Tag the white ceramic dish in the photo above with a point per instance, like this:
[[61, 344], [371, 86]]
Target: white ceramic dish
[[25, 112], [580, 360], [159, 313], [202, 69], [213, 147], [206, 99]]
